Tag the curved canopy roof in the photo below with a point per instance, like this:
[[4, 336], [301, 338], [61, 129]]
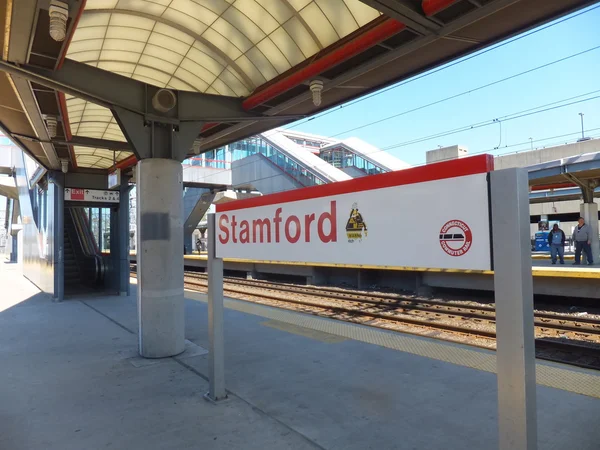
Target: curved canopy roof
[[223, 47]]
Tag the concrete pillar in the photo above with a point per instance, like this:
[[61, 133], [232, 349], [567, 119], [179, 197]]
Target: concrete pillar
[[589, 211], [160, 257], [13, 249]]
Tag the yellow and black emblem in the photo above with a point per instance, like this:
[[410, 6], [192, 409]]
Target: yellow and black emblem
[[356, 227]]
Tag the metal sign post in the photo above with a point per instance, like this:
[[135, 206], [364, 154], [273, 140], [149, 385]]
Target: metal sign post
[[216, 349], [513, 285]]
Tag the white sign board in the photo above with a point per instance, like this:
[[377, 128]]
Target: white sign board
[[114, 179], [442, 224], [91, 195]]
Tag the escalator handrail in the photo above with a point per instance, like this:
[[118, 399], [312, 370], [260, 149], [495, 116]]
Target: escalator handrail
[[88, 248]]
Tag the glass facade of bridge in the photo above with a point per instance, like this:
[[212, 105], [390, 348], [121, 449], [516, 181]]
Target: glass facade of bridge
[[342, 158], [222, 158]]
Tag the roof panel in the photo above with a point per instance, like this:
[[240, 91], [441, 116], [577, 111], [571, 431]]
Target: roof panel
[[131, 34], [339, 16], [119, 44], [84, 33], [274, 55], [193, 24], [93, 20], [129, 21], [192, 79], [198, 70], [278, 9], [362, 13], [250, 70], [205, 61], [313, 15], [162, 54], [197, 10], [152, 73], [222, 87], [240, 21], [301, 37], [173, 33], [90, 56], [101, 4], [169, 43], [257, 14], [118, 66], [287, 46], [229, 32], [117, 55], [222, 43], [261, 63], [299, 4], [82, 46], [154, 7]]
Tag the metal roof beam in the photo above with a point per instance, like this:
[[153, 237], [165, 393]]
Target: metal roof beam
[[404, 13], [81, 141], [111, 90]]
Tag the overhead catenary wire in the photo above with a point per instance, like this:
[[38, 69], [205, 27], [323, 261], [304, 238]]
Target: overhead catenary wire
[[445, 67], [469, 91]]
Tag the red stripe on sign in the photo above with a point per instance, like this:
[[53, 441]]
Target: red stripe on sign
[[439, 171]]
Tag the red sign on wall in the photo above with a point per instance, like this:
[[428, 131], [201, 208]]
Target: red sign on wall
[[77, 194]]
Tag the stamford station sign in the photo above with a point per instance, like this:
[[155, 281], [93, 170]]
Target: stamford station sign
[[433, 216]]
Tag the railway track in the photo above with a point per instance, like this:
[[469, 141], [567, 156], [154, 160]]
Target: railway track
[[559, 337]]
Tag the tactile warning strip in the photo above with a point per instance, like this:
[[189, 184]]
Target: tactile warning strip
[[558, 376]]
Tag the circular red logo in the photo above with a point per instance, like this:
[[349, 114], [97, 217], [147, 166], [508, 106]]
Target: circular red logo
[[456, 238]]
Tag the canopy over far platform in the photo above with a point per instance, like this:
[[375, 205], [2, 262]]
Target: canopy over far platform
[[235, 67]]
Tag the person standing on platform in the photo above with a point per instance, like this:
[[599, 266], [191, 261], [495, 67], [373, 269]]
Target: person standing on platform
[[582, 236], [556, 239]]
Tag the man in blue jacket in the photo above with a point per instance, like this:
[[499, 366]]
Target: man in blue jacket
[[556, 239]]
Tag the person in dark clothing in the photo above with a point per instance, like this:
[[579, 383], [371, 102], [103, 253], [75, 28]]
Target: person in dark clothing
[[556, 239]]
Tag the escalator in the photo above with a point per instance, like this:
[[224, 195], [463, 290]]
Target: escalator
[[84, 266]]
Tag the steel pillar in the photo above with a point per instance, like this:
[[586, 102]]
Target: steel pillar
[[160, 258], [58, 178], [215, 318], [513, 285]]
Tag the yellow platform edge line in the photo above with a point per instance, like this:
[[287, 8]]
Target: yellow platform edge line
[[537, 271]]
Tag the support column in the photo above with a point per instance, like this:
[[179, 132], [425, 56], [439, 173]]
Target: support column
[[160, 257], [216, 338], [513, 286], [123, 227], [589, 211], [59, 236]]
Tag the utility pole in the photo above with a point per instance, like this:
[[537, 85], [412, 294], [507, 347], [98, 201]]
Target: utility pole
[[582, 136], [531, 142]]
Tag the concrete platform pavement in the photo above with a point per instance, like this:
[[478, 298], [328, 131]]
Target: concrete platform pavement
[[70, 381], [295, 381]]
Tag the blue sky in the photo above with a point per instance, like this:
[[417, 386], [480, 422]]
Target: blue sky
[[576, 76]]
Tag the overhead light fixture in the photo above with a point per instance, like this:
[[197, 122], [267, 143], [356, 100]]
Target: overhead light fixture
[[316, 87], [51, 125], [164, 100], [59, 13], [64, 165]]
